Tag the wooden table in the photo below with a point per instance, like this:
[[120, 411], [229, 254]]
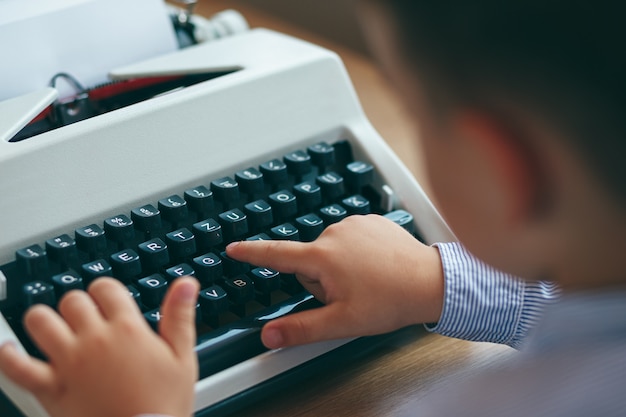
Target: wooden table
[[404, 367]]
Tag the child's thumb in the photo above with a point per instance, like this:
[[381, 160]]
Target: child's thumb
[[309, 326], [177, 325]]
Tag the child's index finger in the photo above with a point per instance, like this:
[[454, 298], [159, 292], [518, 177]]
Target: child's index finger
[[282, 255]]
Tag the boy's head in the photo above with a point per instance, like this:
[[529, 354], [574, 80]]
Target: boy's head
[[521, 107]]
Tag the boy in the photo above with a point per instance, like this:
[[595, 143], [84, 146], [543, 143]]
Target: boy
[[520, 106]]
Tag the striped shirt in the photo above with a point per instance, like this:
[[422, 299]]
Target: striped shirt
[[486, 305], [573, 347]]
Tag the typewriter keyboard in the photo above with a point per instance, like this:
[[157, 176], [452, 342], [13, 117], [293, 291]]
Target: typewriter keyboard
[[294, 196]]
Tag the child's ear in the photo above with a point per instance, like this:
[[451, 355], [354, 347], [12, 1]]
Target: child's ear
[[511, 158]]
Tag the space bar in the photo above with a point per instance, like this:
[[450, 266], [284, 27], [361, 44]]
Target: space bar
[[240, 340]]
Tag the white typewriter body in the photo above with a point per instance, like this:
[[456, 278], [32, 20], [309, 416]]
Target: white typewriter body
[[286, 95]]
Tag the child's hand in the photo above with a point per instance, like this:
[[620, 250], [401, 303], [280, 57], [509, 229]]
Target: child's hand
[[104, 360], [372, 275]]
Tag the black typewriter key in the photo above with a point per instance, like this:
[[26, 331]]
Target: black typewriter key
[[208, 233], [208, 268], [119, 229], [125, 264], [147, 219], [225, 190], [213, 300], [240, 289], [332, 185], [174, 209], [152, 290], [284, 205], [308, 195], [322, 155], [265, 280], [96, 269], [234, 224], [200, 201], [259, 214], [285, 231], [181, 243], [62, 249], [275, 172], [250, 181], [153, 254], [298, 163], [403, 218], [233, 267], [91, 240], [310, 226], [66, 282], [259, 236], [357, 204], [180, 270], [38, 292], [358, 175], [32, 262], [333, 214], [153, 317]]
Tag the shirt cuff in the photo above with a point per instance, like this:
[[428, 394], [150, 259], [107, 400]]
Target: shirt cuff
[[484, 304]]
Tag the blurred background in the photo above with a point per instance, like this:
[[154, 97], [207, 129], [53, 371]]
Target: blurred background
[[336, 20]]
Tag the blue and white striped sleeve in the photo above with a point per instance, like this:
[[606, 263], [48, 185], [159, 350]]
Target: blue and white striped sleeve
[[483, 304]]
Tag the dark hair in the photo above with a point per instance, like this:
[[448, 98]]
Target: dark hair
[[561, 60]]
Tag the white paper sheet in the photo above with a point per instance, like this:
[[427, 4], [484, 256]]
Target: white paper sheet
[[85, 38]]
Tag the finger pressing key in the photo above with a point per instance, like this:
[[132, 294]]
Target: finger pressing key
[[112, 298], [48, 330], [177, 326], [283, 256], [29, 373], [79, 311]]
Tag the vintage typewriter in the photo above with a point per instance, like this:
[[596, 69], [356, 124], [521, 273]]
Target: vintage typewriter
[[260, 136]]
